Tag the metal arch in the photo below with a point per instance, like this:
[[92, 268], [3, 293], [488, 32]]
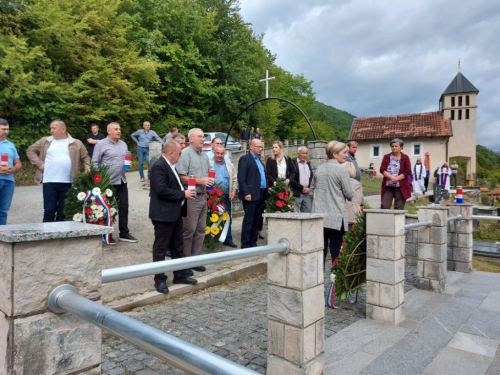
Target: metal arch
[[263, 100]]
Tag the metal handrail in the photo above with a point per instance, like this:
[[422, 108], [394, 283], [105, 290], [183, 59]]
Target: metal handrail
[[451, 218], [420, 224], [485, 217], [179, 353], [148, 269]]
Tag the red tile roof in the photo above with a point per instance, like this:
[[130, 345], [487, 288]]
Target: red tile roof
[[416, 125]]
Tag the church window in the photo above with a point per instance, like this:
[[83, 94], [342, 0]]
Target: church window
[[375, 151], [459, 101], [452, 115], [459, 114], [466, 114], [453, 101], [416, 149], [467, 103]]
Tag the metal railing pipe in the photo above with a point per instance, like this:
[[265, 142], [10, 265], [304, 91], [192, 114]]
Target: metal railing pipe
[[148, 269], [451, 218], [485, 217], [181, 354], [420, 224]]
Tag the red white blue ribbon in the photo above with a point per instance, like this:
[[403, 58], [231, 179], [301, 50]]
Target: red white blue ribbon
[[107, 208]]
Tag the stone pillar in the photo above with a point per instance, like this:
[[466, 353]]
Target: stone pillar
[[317, 155], [296, 301], [411, 241], [35, 258], [460, 242], [385, 265], [431, 253]]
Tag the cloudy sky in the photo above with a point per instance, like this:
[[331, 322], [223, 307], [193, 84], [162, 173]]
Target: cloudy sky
[[384, 57]]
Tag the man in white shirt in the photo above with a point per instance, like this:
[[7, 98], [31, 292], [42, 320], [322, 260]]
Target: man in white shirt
[[58, 159]]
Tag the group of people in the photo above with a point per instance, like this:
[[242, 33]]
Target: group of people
[[399, 178], [248, 135]]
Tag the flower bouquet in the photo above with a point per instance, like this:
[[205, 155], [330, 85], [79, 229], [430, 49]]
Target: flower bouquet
[[217, 218], [91, 199], [280, 198], [349, 269]]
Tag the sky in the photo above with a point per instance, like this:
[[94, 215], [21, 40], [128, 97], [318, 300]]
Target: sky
[[386, 57]]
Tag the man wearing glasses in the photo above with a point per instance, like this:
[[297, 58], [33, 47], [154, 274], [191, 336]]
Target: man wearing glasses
[[252, 192]]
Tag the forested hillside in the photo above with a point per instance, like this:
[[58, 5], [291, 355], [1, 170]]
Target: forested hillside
[[181, 63], [340, 121], [488, 165]]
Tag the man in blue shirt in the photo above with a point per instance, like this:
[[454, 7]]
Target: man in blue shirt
[[9, 164], [252, 192], [225, 176], [142, 138]]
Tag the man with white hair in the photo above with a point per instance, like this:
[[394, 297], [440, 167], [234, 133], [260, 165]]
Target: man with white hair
[[302, 181], [194, 162]]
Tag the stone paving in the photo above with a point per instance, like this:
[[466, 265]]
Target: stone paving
[[229, 320]]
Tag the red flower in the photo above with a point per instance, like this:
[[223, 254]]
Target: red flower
[[209, 203], [98, 203], [279, 204], [223, 205], [287, 197], [362, 208], [335, 262], [100, 222], [88, 210], [281, 196], [211, 192], [287, 191], [215, 208], [219, 192], [97, 178]]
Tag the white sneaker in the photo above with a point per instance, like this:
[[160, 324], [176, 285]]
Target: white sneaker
[[142, 179]]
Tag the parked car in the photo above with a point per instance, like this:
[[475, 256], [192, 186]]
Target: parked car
[[232, 144]]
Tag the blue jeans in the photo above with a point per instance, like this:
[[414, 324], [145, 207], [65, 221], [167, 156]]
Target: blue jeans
[[142, 153], [6, 194], [54, 194]]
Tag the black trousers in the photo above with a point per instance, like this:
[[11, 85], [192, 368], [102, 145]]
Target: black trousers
[[122, 196], [168, 236], [252, 221], [332, 238]]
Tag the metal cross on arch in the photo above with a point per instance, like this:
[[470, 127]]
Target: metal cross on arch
[[266, 99]]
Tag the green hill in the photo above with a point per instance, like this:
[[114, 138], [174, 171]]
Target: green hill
[[339, 121], [487, 165]]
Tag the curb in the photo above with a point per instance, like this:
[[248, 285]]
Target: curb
[[213, 279]]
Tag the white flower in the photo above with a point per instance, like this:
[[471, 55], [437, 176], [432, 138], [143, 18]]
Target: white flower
[[81, 196], [96, 191], [332, 277], [100, 208], [113, 211], [93, 207], [108, 193], [78, 217], [99, 214]]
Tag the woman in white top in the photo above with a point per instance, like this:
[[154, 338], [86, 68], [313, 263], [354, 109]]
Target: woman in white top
[[279, 165]]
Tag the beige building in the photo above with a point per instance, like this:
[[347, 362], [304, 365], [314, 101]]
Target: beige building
[[446, 135]]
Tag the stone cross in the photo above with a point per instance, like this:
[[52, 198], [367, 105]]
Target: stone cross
[[267, 79]]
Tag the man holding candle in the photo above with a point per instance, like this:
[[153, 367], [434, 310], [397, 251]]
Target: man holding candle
[[194, 162], [9, 164]]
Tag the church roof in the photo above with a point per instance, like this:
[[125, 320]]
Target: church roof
[[430, 124], [459, 85]]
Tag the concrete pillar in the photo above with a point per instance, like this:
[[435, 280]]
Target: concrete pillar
[[431, 253], [296, 301], [460, 242], [411, 241], [317, 155], [385, 265], [35, 258]]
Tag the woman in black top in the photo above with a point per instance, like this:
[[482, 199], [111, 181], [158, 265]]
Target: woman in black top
[[279, 165]]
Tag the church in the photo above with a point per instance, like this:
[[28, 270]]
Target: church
[[446, 135]]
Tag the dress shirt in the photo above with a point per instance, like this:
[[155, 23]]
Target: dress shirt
[[281, 168], [263, 182], [222, 175], [172, 166], [112, 154], [142, 138], [304, 173]]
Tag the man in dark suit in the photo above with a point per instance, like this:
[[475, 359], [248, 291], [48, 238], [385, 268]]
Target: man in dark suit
[[166, 209], [253, 193], [302, 181]]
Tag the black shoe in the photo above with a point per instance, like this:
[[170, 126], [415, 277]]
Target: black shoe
[[161, 287], [168, 254], [127, 237], [186, 280], [199, 269], [112, 241], [261, 237], [230, 244], [189, 272]]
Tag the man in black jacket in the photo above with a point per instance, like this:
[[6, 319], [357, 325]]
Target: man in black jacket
[[253, 193], [166, 209], [302, 181]]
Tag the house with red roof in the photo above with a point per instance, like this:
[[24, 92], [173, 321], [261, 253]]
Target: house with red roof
[[447, 134]]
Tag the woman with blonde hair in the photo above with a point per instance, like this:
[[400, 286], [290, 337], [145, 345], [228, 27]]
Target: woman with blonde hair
[[279, 165], [354, 205], [330, 188]]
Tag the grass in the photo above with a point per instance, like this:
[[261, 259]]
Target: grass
[[370, 185], [486, 264], [488, 230]]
